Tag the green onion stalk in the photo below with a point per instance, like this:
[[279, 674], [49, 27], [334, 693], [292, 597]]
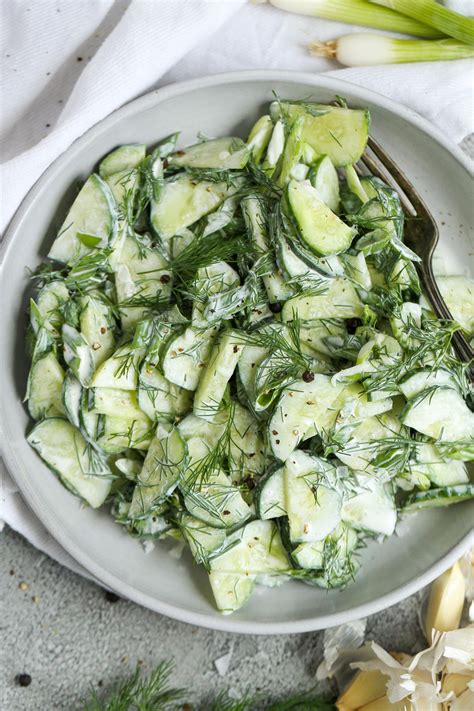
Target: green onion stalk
[[359, 12], [435, 15], [365, 49]]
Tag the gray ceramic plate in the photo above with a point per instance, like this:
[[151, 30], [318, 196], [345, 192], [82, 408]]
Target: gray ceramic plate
[[225, 104]]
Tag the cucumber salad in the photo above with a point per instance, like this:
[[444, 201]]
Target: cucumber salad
[[230, 348]]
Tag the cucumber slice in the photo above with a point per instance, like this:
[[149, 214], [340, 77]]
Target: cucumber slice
[[203, 540], [130, 468], [323, 177], [96, 322], [214, 279], [270, 495], [414, 384], [319, 226], [355, 267], [213, 499], [440, 413], [301, 409], [314, 337], [441, 471], [113, 402], [370, 507], [309, 556], [458, 293], [142, 282], [246, 456], [182, 201], [434, 498], [212, 385], [122, 158], [192, 427], [292, 153], [256, 549], [222, 153], [117, 434], [231, 591], [91, 222], [336, 132], [186, 356], [259, 137], [159, 398], [274, 283], [354, 184], [78, 355], [247, 366], [340, 301], [361, 447], [313, 507], [44, 390], [275, 148], [90, 424], [120, 370], [338, 565], [72, 399], [68, 455], [409, 316], [46, 312], [164, 463]]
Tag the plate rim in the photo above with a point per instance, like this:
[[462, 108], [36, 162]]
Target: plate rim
[[215, 622]]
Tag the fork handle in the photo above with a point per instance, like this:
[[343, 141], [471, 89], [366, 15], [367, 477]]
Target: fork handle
[[430, 287]]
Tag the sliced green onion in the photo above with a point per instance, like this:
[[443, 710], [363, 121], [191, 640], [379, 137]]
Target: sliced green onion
[[358, 12], [430, 12], [362, 49]]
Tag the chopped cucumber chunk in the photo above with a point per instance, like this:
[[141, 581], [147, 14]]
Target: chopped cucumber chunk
[[323, 177], [183, 201], [91, 222], [66, 452], [44, 391], [336, 132], [322, 230], [339, 301], [213, 382], [440, 413], [223, 153]]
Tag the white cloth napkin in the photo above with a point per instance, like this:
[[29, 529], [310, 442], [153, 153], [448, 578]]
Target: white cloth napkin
[[69, 63]]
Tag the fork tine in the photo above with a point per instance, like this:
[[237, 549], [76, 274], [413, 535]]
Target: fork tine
[[375, 167], [397, 175]]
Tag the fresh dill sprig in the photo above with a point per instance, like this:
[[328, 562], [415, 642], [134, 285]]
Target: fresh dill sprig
[[204, 251], [152, 693], [431, 350], [155, 693]]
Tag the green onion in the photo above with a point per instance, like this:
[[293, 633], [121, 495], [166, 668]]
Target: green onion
[[446, 21], [364, 49], [358, 12]]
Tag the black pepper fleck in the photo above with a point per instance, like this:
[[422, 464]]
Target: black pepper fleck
[[165, 278], [275, 307], [308, 376], [79, 59], [48, 125], [23, 679], [111, 596], [352, 324]]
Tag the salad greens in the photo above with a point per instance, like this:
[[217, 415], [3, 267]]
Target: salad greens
[[230, 348]]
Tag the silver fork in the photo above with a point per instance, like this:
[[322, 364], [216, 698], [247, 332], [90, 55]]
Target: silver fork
[[420, 234]]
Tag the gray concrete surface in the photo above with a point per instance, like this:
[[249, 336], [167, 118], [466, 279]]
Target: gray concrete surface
[[64, 633]]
